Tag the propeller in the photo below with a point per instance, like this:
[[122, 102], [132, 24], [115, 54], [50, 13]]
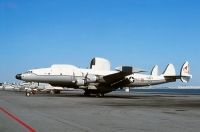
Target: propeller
[[86, 78], [73, 78], [89, 78]]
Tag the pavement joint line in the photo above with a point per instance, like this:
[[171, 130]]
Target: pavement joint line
[[18, 120]]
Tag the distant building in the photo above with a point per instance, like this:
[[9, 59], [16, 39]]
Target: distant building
[[185, 87], [188, 87]]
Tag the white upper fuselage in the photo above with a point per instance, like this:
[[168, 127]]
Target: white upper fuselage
[[68, 70]]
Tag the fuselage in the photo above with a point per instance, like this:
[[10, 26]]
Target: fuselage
[[67, 76], [100, 79]]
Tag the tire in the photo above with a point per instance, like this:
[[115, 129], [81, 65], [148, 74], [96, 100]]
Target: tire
[[100, 95], [34, 92], [57, 91], [52, 92], [28, 94], [86, 94]]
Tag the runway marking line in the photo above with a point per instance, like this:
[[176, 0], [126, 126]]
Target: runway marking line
[[15, 118]]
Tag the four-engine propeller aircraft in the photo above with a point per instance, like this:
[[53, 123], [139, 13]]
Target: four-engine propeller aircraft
[[99, 79]]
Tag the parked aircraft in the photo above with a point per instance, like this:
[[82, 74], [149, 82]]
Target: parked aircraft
[[99, 79], [33, 88]]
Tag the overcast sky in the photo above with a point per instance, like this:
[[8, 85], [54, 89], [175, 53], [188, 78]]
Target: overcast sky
[[141, 33]]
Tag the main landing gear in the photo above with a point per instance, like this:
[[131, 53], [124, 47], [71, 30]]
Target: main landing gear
[[54, 91], [28, 94], [89, 92], [100, 95]]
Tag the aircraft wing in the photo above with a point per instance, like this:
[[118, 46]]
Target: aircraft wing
[[119, 76]]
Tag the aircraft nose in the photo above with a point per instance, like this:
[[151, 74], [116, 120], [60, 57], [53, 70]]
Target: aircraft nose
[[18, 76]]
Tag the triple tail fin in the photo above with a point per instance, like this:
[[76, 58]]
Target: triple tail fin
[[170, 70], [155, 71], [170, 73], [184, 73]]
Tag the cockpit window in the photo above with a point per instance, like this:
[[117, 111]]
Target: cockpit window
[[28, 72]]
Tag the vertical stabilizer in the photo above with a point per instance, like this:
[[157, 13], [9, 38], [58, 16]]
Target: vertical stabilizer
[[155, 71], [170, 70], [184, 73]]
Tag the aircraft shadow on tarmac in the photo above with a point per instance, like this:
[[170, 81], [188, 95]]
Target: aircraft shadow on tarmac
[[141, 100], [123, 96], [121, 100]]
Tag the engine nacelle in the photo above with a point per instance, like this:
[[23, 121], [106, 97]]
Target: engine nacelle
[[91, 79], [80, 82], [85, 80]]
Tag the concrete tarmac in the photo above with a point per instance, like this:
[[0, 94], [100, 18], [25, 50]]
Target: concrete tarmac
[[117, 111]]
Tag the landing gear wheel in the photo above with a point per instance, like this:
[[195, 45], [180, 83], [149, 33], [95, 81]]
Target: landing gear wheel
[[100, 95], [52, 92], [28, 94], [57, 91], [86, 93], [33, 92]]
